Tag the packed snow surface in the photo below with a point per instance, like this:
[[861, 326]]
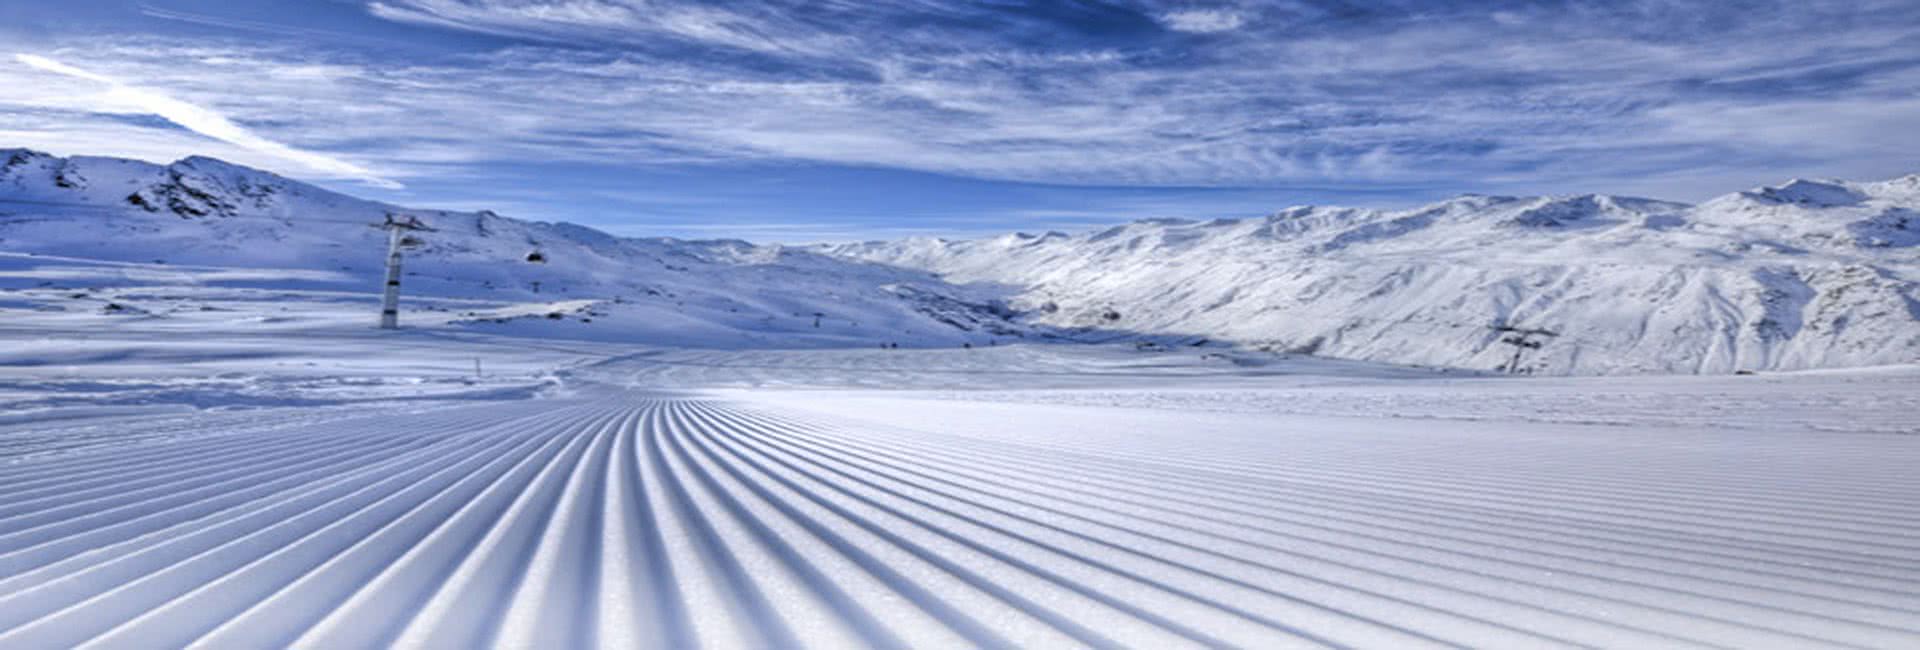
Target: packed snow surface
[[670, 444], [674, 499], [212, 479]]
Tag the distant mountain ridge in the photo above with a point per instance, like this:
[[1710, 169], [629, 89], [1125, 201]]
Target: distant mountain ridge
[[202, 211], [1807, 274]]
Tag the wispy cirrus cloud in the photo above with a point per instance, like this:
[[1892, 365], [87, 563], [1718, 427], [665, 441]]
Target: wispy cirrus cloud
[[1511, 96], [205, 122], [618, 21], [1301, 92]]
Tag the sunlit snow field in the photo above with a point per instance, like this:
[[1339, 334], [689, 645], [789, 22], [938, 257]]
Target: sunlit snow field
[[257, 467]]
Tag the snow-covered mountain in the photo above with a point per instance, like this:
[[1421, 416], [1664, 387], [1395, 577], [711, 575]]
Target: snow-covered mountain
[[1809, 274], [205, 212]]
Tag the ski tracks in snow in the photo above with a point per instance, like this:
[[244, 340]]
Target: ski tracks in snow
[[666, 521]]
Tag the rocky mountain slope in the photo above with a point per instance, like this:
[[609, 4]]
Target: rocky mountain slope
[[1809, 274], [204, 212]]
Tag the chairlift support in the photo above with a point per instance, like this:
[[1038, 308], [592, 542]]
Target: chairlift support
[[398, 237]]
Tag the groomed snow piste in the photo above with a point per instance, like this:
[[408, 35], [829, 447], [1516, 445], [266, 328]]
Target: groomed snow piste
[[756, 517], [669, 444]]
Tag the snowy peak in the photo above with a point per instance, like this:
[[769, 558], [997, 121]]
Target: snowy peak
[[1806, 274], [1014, 239], [25, 168], [1823, 194], [1903, 188], [206, 212], [1833, 215], [191, 187], [199, 186], [1589, 210], [200, 190], [17, 160], [1335, 228]]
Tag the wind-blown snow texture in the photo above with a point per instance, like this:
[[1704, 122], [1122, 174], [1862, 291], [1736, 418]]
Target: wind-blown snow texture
[[1809, 274]]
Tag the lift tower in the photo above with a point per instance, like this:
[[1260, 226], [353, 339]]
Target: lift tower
[[397, 239]]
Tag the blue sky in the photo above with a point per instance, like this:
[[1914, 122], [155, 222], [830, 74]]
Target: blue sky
[[836, 119]]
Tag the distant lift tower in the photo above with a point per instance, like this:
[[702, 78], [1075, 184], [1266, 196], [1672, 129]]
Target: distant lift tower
[[397, 238]]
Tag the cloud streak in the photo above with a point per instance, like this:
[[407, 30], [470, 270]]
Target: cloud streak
[[208, 123], [1203, 21], [1548, 94], [1381, 99]]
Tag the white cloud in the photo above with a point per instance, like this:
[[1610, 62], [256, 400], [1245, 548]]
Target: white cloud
[[1463, 103], [614, 20], [1203, 21], [206, 122]]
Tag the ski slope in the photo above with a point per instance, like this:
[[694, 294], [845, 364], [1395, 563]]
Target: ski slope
[[173, 230], [761, 517], [660, 443]]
